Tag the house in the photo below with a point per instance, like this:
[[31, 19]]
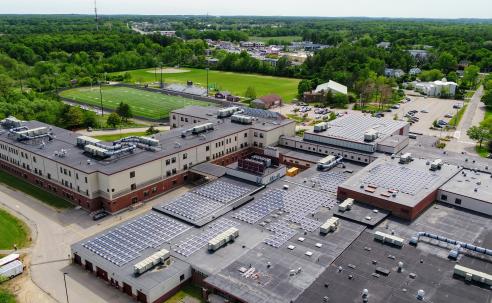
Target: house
[[437, 88], [212, 61], [414, 71], [272, 61], [419, 54], [168, 33], [396, 73], [384, 45], [267, 102]]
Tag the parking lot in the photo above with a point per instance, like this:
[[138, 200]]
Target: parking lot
[[435, 108]]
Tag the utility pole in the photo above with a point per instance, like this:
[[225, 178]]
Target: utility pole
[[101, 96], [65, 281]]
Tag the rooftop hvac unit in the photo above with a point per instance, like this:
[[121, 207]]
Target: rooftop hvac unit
[[346, 205], [242, 119], [385, 238], [85, 140], [330, 225], [436, 164], [202, 128], [223, 238], [320, 127], [406, 158], [11, 122], [371, 135], [227, 112], [148, 263]]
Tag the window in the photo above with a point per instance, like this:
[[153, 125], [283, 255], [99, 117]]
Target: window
[[132, 174], [181, 278], [457, 201], [173, 160], [444, 197], [245, 135], [154, 189], [76, 176], [133, 186], [85, 179], [146, 193], [34, 159], [174, 171], [185, 156], [255, 134], [168, 173], [182, 119], [49, 176], [261, 135], [168, 161], [185, 166], [207, 148], [174, 117]]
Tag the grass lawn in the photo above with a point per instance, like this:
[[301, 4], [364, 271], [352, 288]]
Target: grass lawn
[[457, 118], [188, 290], [145, 104], [111, 138], [34, 191], [13, 231], [236, 83], [6, 296], [287, 39], [482, 151]]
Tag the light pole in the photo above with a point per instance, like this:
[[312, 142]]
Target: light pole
[[207, 78], [162, 84], [101, 98], [65, 281]]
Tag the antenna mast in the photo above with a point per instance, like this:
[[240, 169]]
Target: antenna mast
[[97, 18]]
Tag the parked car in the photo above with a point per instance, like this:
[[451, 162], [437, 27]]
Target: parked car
[[458, 105], [442, 122], [424, 111], [448, 116], [396, 106], [408, 99], [98, 216]]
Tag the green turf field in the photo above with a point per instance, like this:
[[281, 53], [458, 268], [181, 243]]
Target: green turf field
[[143, 103], [13, 231], [236, 83]]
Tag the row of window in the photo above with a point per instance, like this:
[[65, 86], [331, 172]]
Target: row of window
[[319, 150]]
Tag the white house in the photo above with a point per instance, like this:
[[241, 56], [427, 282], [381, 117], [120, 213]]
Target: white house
[[414, 71], [436, 88], [332, 86]]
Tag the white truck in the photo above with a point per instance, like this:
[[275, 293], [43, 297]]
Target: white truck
[[11, 269]]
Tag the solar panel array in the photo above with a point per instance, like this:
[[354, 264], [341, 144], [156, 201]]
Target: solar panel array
[[400, 178], [353, 127], [205, 200], [192, 206], [126, 242], [329, 181], [271, 200], [222, 191], [191, 245], [281, 234]]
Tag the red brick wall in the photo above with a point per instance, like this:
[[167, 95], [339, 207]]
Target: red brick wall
[[398, 210], [56, 189]]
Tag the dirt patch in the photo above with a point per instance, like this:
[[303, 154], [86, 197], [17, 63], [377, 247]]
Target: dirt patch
[[169, 70]]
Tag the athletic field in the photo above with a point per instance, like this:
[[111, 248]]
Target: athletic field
[[143, 103], [235, 83]]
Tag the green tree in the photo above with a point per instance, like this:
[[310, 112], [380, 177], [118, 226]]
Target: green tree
[[5, 87], [470, 76], [431, 75], [151, 131], [446, 62], [90, 119], [72, 117], [250, 93], [487, 98], [113, 120], [479, 134], [303, 86], [125, 111]]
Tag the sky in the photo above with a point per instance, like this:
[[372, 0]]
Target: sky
[[324, 8]]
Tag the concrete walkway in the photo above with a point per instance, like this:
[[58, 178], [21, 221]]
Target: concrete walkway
[[473, 115]]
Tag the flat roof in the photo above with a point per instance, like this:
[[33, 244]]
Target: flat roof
[[428, 261], [393, 141], [352, 127], [411, 182], [170, 142], [467, 181]]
